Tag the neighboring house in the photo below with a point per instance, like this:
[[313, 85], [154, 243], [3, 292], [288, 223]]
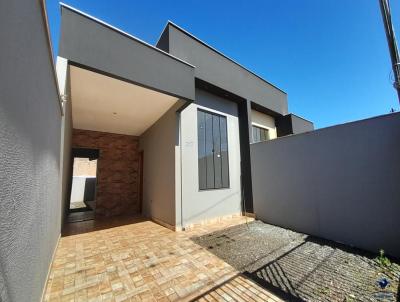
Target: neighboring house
[[180, 114]]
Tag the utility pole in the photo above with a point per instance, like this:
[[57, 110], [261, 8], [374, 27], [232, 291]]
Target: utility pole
[[391, 39]]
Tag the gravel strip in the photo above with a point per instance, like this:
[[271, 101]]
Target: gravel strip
[[302, 267]]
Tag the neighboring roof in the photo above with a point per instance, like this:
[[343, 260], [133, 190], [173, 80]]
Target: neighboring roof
[[170, 23], [121, 32]]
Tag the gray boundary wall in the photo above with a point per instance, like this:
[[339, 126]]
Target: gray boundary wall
[[341, 183], [30, 121]]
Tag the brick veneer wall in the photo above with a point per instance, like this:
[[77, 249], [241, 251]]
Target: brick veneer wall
[[117, 170]]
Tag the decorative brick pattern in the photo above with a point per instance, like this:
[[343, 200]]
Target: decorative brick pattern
[[117, 189], [144, 261]]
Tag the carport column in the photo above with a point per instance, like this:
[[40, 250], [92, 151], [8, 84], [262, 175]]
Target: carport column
[[178, 174]]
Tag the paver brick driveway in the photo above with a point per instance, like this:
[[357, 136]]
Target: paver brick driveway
[[144, 261]]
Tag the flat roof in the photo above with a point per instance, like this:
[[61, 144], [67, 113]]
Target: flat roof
[[217, 51], [103, 23], [122, 32]]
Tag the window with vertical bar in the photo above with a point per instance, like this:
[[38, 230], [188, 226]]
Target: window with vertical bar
[[212, 151], [260, 134]]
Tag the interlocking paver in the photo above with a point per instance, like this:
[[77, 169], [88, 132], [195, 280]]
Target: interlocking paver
[[144, 261]]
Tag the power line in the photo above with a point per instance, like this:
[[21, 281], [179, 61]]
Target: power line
[[391, 39]]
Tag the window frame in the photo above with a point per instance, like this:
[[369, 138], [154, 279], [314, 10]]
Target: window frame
[[226, 159], [265, 130]]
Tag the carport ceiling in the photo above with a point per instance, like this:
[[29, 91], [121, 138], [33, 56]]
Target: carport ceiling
[[106, 104]]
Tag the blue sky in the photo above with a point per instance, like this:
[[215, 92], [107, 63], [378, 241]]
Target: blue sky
[[330, 56]]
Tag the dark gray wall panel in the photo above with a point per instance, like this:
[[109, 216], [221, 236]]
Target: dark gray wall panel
[[300, 125], [90, 43], [245, 132], [284, 125], [292, 124], [163, 42], [212, 101], [340, 183], [30, 127], [222, 72]]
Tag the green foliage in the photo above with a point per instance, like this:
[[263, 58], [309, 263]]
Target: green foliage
[[325, 290], [349, 299], [382, 259]]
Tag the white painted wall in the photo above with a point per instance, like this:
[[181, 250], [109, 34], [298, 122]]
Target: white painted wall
[[202, 205], [264, 121], [78, 189], [79, 184], [159, 144]]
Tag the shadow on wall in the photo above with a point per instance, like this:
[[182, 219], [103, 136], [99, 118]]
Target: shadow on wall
[[83, 193], [100, 223], [90, 191], [334, 183], [298, 267]]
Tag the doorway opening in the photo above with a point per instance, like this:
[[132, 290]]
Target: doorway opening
[[82, 204]]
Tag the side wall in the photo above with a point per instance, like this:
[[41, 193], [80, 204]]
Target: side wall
[[117, 190], [64, 84], [339, 183], [158, 144], [66, 167], [30, 125], [203, 205]]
